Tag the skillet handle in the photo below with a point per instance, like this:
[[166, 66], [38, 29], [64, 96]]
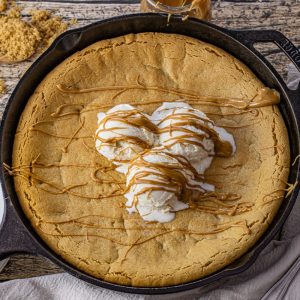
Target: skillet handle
[[250, 37], [14, 237]]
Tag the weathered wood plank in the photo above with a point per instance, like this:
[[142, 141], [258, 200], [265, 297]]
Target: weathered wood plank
[[24, 266], [267, 14]]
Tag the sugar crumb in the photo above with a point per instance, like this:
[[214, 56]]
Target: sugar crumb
[[48, 26], [18, 39], [73, 21], [3, 5], [2, 86], [14, 12]]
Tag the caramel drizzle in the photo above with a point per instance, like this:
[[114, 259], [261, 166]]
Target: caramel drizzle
[[295, 160], [60, 136], [128, 118], [58, 190], [65, 148], [121, 219], [291, 187], [94, 177], [254, 111], [238, 126], [59, 111], [165, 175], [220, 200], [169, 178], [59, 165], [214, 101], [36, 163], [230, 211], [136, 119], [264, 97], [132, 139], [216, 198], [216, 230], [97, 225], [212, 197]]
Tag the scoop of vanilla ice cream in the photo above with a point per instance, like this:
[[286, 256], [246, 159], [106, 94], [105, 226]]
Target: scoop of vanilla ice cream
[[179, 138], [153, 192], [163, 155], [112, 125]]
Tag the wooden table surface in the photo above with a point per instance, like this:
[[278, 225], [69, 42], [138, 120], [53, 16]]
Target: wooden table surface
[[282, 15]]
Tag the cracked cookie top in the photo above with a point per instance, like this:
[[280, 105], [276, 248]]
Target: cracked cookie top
[[73, 196]]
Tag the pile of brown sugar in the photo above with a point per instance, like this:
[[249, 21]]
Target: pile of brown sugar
[[49, 26], [19, 39]]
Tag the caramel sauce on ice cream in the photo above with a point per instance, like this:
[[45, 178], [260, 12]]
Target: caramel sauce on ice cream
[[162, 155]]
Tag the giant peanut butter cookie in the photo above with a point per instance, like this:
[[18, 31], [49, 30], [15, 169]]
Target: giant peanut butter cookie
[[74, 196]]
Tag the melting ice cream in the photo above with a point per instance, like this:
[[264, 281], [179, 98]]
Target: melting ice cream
[[163, 155]]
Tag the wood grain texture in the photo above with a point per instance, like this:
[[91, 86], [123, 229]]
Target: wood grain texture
[[274, 14], [25, 266]]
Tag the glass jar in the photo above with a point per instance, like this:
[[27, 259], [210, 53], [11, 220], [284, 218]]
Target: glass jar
[[200, 9]]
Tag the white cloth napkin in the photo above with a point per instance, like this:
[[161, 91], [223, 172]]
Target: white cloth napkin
[[3, 262], [293, 77], [274, 276]]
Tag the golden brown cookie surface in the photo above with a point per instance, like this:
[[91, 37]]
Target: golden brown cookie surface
[[64, 183]]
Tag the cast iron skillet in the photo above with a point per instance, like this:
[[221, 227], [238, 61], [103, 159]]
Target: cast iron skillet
[[17, 235]]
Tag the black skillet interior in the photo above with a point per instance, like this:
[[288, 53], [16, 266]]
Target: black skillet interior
[[17, 234]]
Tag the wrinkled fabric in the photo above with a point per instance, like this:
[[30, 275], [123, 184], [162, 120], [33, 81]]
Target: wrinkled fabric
[[293, 79], [274, 276]]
